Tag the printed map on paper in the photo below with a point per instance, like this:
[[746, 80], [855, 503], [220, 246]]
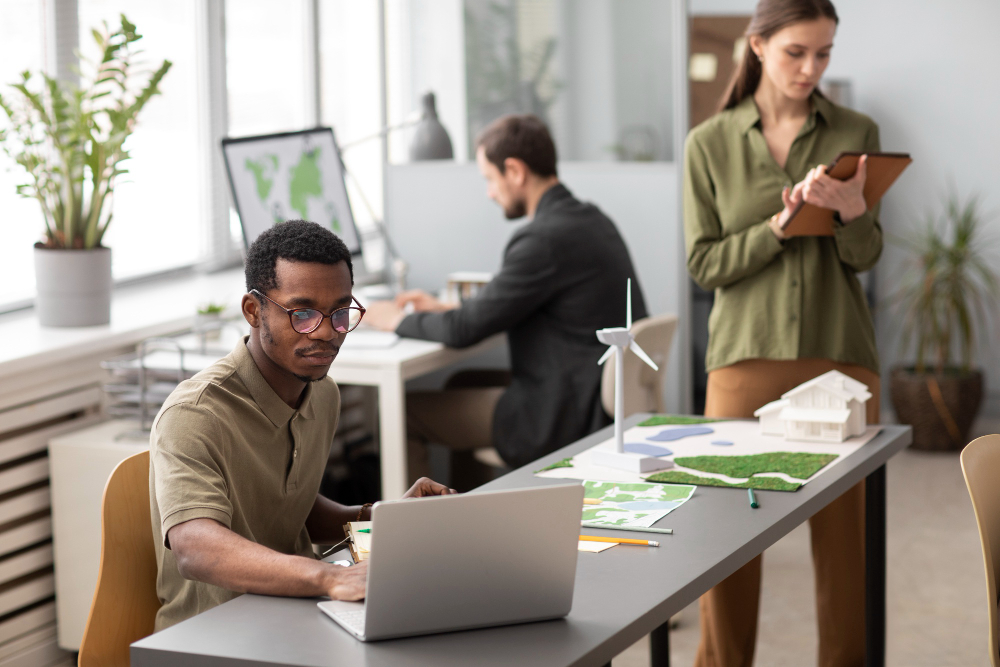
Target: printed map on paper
[[632, 505]]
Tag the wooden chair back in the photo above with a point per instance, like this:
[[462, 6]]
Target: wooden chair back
[[643, 385], [981, 467], [125, 601]]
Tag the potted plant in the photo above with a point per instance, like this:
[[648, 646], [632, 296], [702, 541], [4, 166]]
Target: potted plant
[[208, 320], [949, 290], [70, 139]]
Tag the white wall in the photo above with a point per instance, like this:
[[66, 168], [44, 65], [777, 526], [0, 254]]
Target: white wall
[[926, 72], [441, 221]]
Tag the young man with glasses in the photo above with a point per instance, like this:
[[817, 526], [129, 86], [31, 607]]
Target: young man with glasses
[[238, 451], [563, 277]]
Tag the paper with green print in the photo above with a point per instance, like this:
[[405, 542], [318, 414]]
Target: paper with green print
[[630, 504]]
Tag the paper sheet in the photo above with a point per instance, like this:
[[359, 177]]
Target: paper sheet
[[594, 547], [745, 437], [632, 505]]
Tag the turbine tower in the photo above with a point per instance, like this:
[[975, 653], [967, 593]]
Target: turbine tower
[[618, 340]]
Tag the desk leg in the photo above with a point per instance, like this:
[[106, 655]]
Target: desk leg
[[659, 646], [875, 568], [392, 435]]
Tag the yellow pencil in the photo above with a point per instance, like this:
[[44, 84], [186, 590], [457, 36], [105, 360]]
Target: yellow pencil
[[591, 501], [619, 540]]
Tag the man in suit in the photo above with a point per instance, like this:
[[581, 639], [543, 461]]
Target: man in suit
[[562, 278]]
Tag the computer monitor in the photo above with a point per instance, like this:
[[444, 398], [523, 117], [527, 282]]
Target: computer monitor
[[287, 176]]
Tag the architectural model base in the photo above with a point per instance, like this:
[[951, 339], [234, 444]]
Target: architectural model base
[[628, 461]]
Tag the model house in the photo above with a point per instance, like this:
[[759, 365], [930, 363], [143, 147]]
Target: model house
[[828, 408]]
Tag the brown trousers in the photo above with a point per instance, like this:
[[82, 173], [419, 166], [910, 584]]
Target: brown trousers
[[729, 611], [460, 417]]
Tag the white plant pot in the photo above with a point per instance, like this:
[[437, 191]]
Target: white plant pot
[[73, 287]]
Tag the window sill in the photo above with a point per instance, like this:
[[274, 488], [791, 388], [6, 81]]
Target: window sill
[[138, 311]]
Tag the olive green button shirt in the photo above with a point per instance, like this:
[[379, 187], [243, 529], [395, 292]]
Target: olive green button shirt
[[226, 447], [773, 300]]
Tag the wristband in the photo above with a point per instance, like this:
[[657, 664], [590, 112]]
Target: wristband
[[361, 512]]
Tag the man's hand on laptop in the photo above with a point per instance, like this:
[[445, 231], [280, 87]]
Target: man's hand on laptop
[[422, 302], [428, 487], [383, 315], [347, 583]]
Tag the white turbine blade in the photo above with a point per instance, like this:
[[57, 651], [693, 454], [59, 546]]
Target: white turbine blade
[[606, 355], [628, 304], [642, 355]]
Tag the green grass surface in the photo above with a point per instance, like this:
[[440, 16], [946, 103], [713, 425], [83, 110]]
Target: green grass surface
[[565, 463], [674, 420], [761, 483], [800, 465]]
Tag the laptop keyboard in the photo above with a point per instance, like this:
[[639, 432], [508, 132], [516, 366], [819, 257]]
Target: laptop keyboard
[[353, 619]]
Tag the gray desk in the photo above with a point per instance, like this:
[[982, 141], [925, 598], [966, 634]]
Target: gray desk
[[621, 594]]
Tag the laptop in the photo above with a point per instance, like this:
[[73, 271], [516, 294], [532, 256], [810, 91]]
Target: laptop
[[459, 562]]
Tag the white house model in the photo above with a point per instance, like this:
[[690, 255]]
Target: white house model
[[828, 408]]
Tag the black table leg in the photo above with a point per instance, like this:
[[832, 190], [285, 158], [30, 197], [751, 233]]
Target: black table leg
[[875, 568], [659, 646]]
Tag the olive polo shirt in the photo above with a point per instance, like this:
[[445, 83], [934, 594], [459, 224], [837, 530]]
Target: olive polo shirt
[[226, 447], [773, 300]]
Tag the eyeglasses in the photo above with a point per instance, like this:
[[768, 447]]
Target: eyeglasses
[[307, 320]]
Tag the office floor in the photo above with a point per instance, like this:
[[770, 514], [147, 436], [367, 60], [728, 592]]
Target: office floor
[[936, 585]]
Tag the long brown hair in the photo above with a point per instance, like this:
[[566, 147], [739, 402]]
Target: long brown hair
[[769, 17]]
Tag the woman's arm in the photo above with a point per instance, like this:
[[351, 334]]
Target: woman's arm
[[715, 260], [859, 236]]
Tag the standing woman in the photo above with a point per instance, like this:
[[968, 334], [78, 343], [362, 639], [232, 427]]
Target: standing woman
[[786, 309]]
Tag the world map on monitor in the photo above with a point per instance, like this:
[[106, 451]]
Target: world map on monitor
[[287, 176]]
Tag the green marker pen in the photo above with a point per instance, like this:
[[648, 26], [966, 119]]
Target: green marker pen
[[364, 530], [753, 499]]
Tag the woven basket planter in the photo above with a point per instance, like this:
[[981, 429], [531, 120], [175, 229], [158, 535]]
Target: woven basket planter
[[939, 407]]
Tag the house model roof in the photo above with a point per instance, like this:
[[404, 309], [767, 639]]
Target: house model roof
[[771, 407], [837, 384]]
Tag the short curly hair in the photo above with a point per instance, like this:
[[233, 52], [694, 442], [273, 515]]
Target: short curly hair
[[295, 240]]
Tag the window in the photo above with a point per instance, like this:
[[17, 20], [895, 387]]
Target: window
[[157, 221], [21, 43], [351, 96], [351, 103], [266, 66]]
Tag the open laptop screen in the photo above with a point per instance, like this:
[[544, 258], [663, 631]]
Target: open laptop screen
[[292, 175]]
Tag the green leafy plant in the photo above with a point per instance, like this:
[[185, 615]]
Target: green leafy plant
[[949, 288], [211, 309], [70, 139]]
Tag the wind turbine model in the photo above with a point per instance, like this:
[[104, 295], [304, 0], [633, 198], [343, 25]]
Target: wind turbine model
[[618, 340]]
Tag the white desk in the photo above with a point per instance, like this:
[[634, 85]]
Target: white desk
[[389, 369]]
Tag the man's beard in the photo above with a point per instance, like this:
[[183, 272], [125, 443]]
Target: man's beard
[[265, 334], [517, 209]]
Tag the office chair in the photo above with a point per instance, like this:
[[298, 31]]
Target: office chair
[[643, 386], [981, 467], [125, 601]]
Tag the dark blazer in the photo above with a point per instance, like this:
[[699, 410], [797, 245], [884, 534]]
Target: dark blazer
[[563, 278]]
